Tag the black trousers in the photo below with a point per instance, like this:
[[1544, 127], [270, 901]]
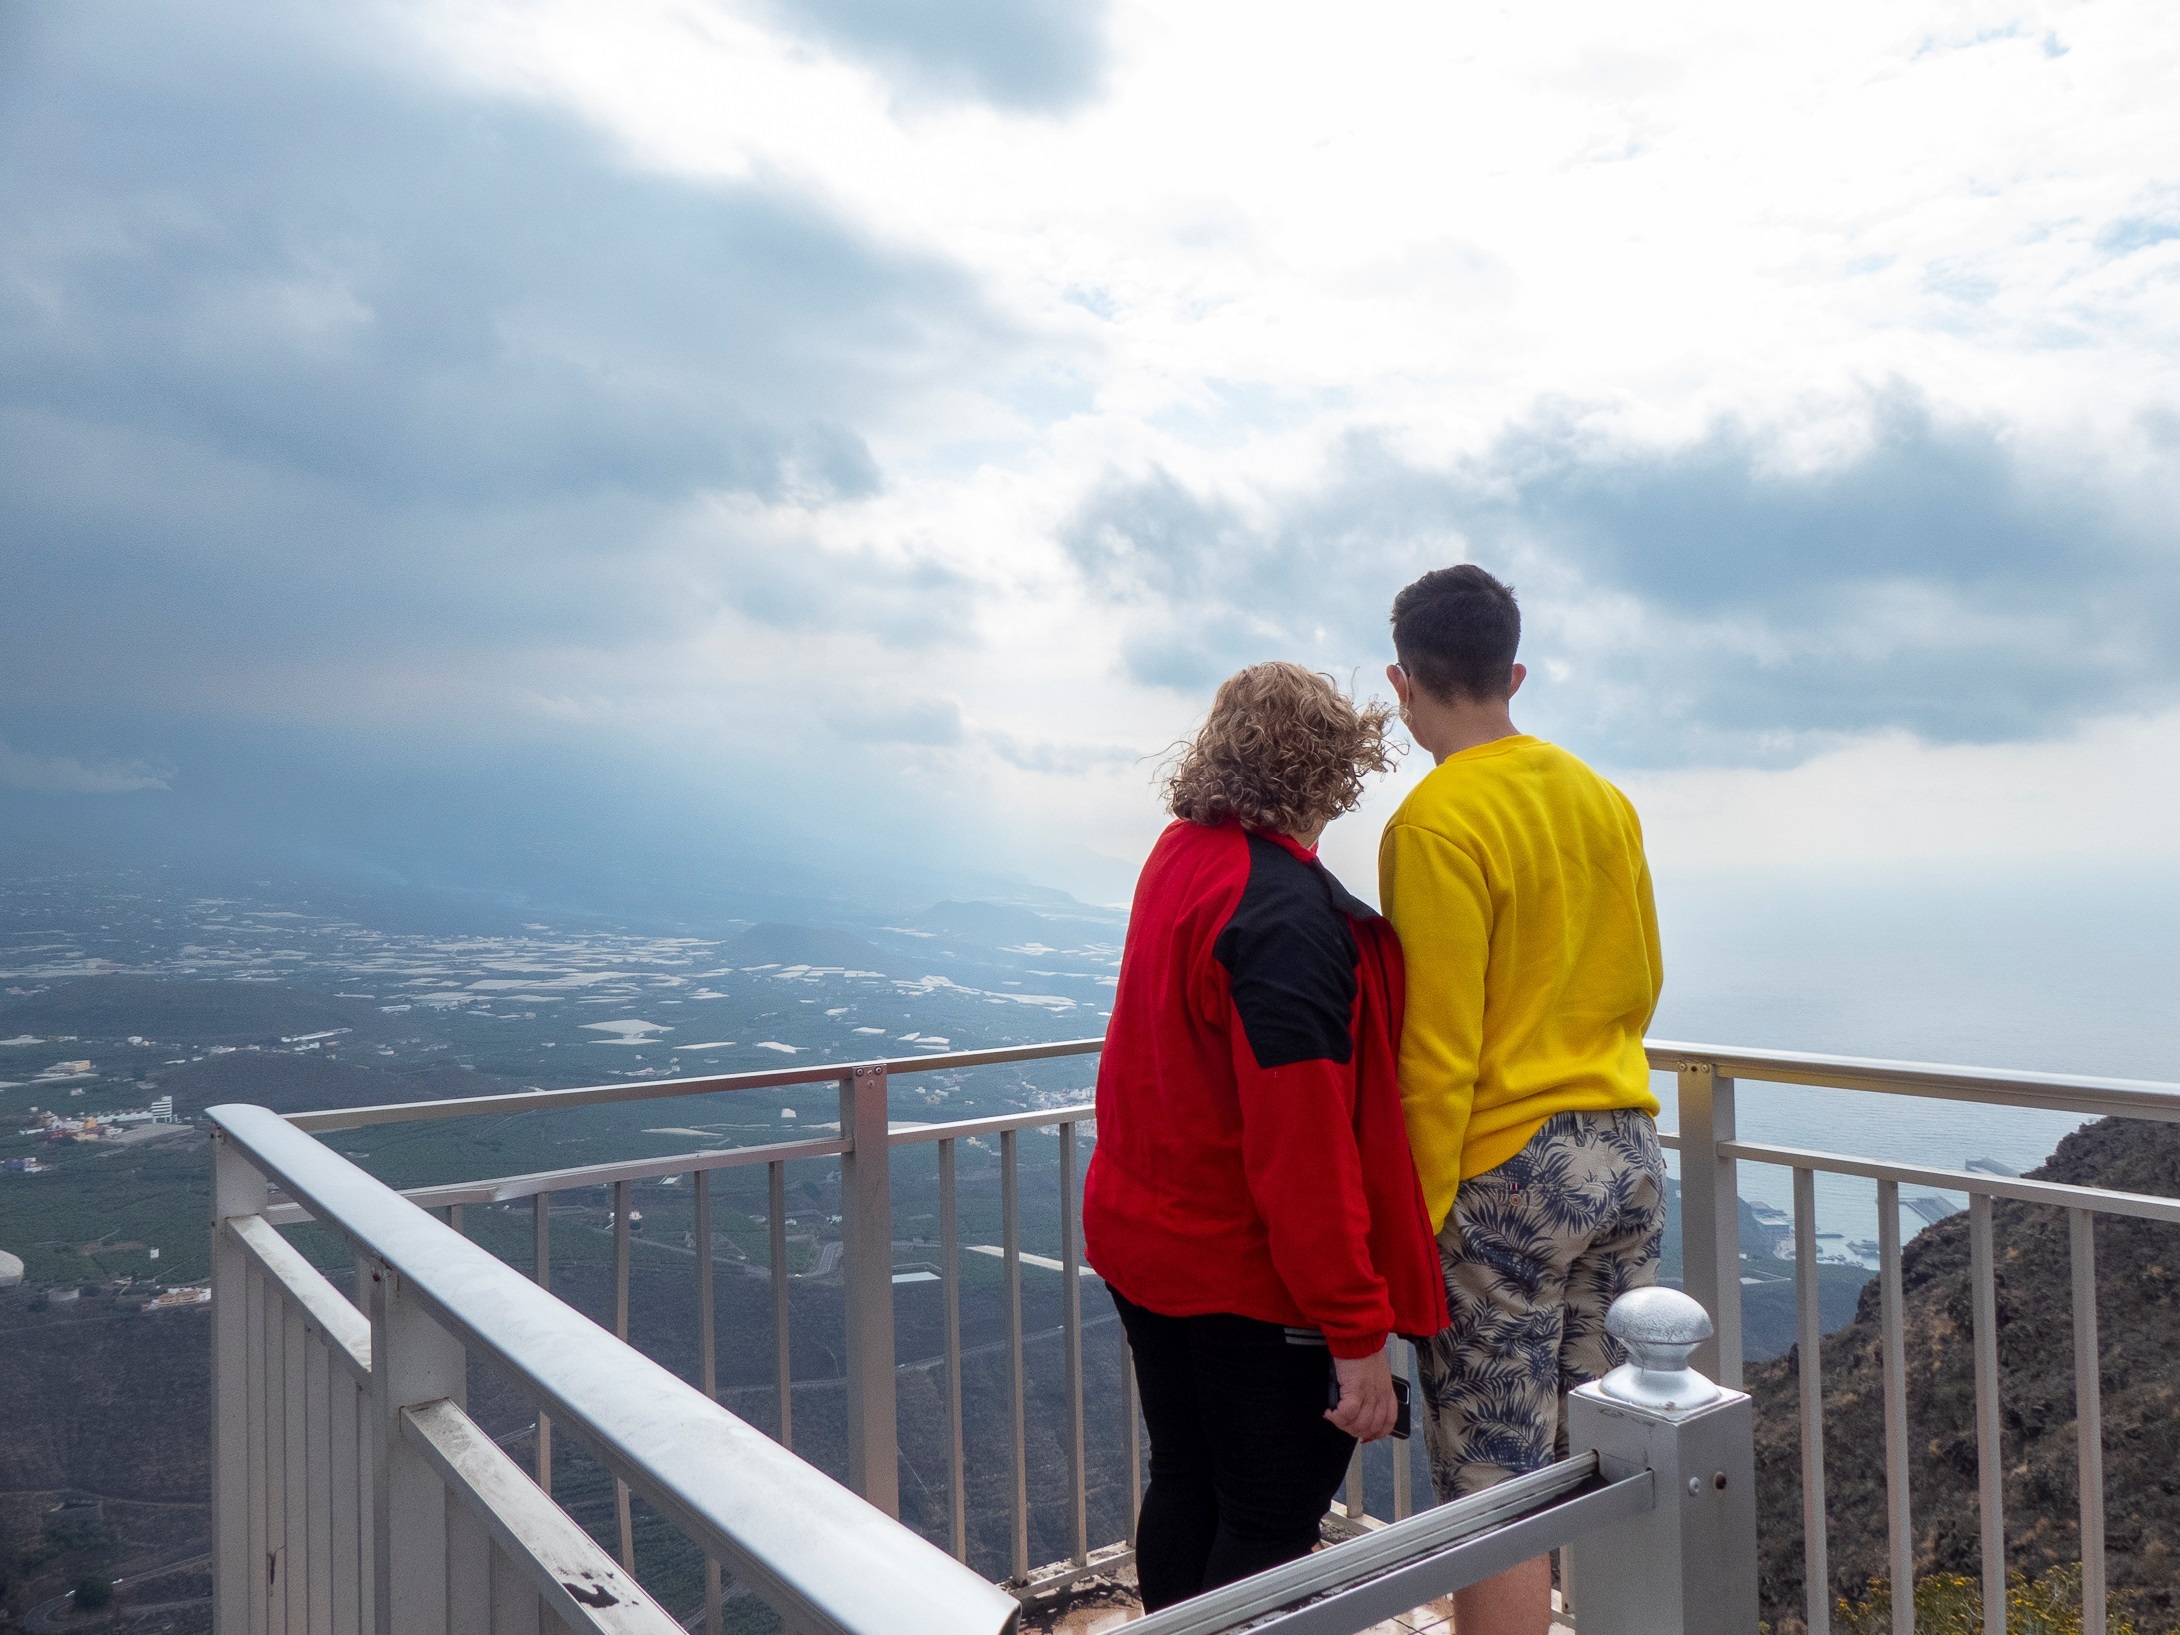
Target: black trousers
[[1243, 1461]]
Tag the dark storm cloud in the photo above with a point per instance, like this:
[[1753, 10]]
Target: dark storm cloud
[[297, 352], [1033, 55], [1705, 603]]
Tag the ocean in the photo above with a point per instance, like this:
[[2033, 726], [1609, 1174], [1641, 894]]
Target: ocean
[[2060, 971]]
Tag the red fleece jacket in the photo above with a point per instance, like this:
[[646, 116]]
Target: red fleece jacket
[[1251, 1152]]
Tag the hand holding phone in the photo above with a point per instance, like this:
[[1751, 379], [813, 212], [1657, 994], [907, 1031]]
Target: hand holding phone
[[1365, 1400]]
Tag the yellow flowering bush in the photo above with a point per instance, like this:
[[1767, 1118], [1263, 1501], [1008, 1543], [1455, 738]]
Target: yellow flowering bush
[[1952, 1604]]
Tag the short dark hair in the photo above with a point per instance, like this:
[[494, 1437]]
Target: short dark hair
[[1456, 631]]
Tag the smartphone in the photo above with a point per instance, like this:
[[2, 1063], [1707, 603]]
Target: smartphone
[[1401, 1422]]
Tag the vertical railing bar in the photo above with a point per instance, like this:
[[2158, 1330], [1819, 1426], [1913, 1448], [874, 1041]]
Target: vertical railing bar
[[1990, 1447], [469, 1568], [866, 1225], [624, 1518], [349, 1570], [957, 1469], [276, 1459], [1071, 1326], [541, 1255], [620, 1330], [1711, 1215], [238, 1189], [1809, 1315], [260, 1463], [413, 1360], [514, 1601], [1900, 1535], [620, 1260], [782, 1365], [1011, 1254], [318, 1466], [454, 1216], [2088, 1415], [367, 1452], [1403, 1472], [707, 1347], [296, 1399], [707, 1335]]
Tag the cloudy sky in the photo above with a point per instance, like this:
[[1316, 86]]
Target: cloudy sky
[[829, 429]]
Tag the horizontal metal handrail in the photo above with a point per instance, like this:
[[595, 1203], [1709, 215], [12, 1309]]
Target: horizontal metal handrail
[[1387, 1550], [2128, 1098], [911, 1135], [2141, 1205], [508, 1188], [532, 1101], [1465, 1562], [823, 1557], [2060, 1092], [2065, 1092], [347, 1330], [584, 1587]]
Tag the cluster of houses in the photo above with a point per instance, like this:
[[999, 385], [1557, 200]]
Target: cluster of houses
[[96, 1126]]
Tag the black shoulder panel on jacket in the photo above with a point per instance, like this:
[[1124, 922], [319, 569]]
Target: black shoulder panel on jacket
[[1290, 959]]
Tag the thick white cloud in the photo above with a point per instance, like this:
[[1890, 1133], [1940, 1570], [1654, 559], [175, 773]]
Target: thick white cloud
[[911, 412], [1691, 209]]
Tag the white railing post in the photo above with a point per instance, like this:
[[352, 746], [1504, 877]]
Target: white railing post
[[237, 1189], [1710, 1216], [413, 1361], [1687, 1564], [866, 1215]]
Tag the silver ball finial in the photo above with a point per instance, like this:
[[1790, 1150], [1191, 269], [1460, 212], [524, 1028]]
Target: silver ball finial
[[1659, 1327]]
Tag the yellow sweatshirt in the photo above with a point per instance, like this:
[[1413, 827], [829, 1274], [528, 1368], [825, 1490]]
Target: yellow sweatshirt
[[1515, 878]]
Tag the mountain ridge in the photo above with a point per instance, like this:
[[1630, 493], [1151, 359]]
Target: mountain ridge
[[2138, 1312]]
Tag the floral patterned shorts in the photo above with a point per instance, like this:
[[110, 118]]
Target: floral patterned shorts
[[1534, 1252]]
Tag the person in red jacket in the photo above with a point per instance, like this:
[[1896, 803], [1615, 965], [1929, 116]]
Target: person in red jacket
[[1251, 1202]]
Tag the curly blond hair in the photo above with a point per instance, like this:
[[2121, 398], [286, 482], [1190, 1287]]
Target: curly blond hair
[[1283, 749]]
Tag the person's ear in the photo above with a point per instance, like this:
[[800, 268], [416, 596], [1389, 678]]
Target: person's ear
[[1515, 678], [1399, 678]]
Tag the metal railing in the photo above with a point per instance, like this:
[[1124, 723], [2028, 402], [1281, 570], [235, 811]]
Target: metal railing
[[430, 1528], [1707, 1076], [866, 1264], [864, 1145]]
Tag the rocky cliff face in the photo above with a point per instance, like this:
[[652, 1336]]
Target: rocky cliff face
[[2138, 1311]]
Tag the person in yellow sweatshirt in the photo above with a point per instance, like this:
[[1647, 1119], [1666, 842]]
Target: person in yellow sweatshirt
[[1515, 878]]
